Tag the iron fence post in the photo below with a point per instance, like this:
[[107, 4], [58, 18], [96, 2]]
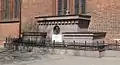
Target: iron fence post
[[85, 45], [74, 43]]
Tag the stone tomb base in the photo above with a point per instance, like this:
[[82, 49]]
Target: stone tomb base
[[84, 37]]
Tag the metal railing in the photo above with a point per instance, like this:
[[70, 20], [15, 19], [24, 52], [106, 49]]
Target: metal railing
[[14, 43]]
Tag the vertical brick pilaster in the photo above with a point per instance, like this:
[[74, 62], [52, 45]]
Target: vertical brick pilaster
[[68, 4], [11, 8], [54, 7], [0, 10], [71, 6], [56, 10]]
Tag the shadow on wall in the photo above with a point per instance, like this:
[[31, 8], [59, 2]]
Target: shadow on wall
[[30, 26]]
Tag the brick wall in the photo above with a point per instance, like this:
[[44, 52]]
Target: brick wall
[[105, 18], [32, 8], [0, 10], [8, 29], [105, 15]]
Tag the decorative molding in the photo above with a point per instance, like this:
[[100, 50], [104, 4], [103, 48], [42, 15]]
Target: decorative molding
[[9, 21]]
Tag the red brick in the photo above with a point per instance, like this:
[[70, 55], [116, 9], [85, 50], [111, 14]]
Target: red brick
[[105, 15]]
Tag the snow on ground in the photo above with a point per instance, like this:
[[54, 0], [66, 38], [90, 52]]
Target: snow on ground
[[70, 60]]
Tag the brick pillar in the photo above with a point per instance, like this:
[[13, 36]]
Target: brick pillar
[[11, 8], [0, 9], [71, 6], [54, 2]]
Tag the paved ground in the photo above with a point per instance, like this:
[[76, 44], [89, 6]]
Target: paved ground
[[40, 57], [71, 60]]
